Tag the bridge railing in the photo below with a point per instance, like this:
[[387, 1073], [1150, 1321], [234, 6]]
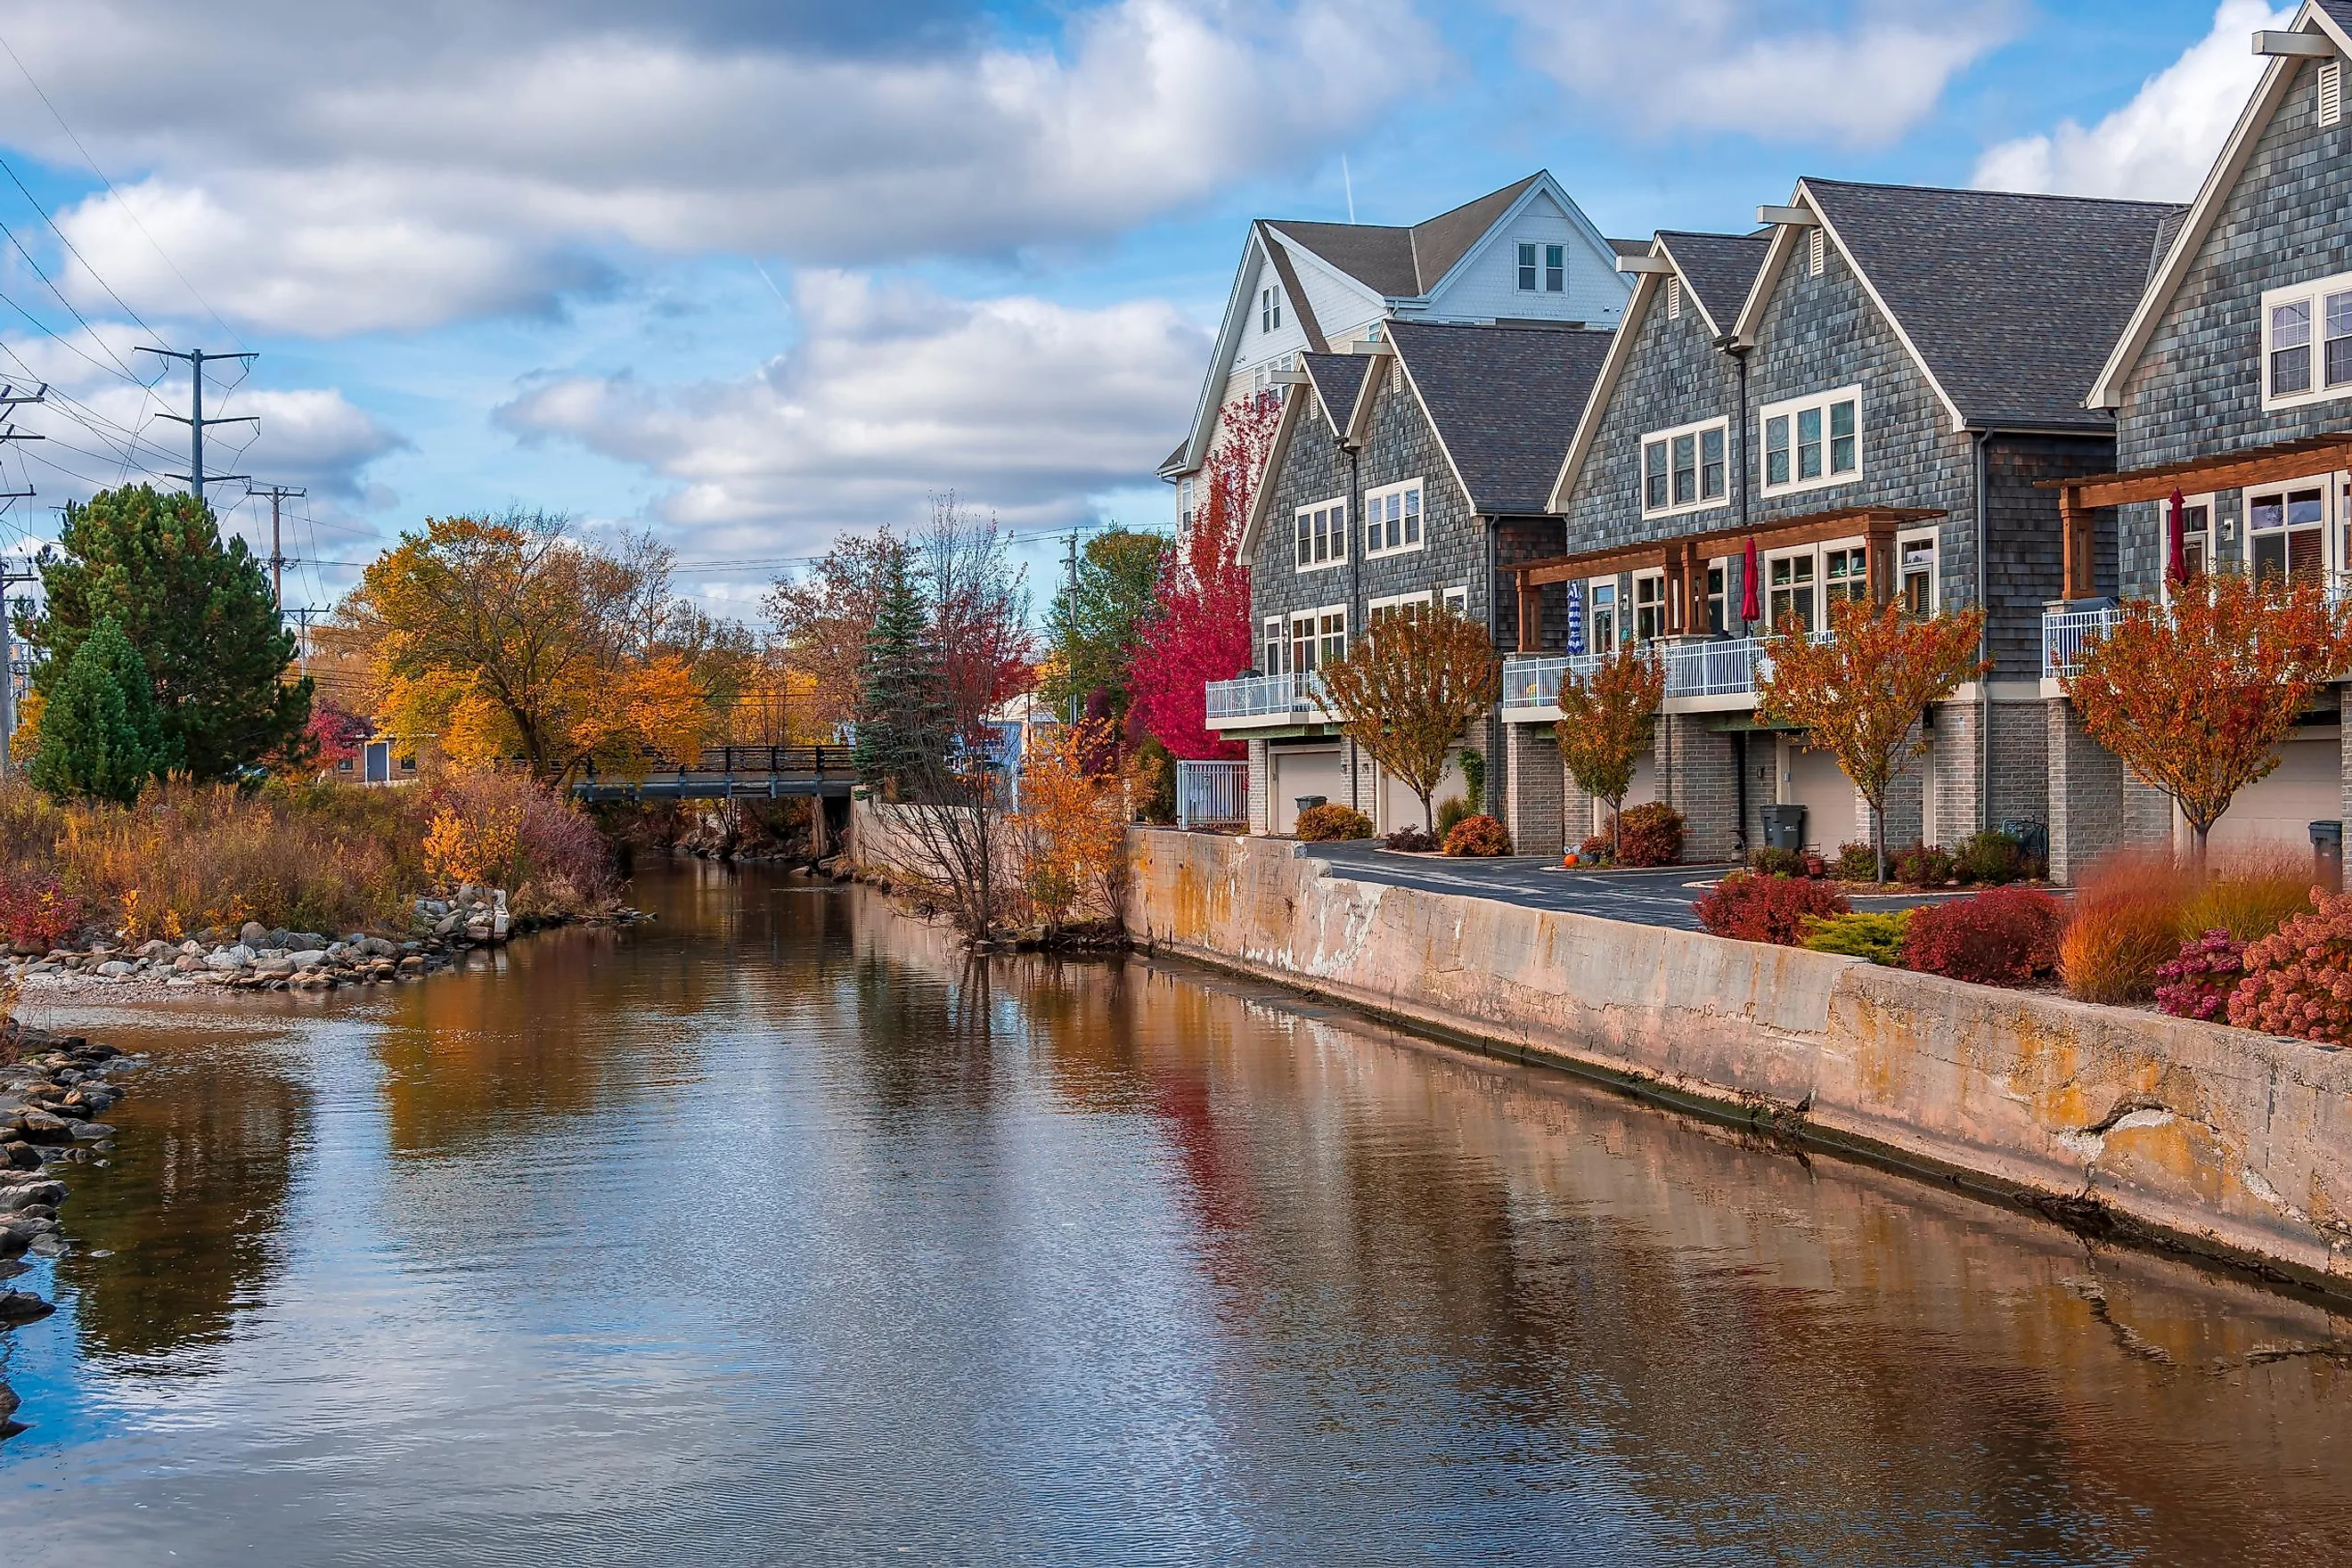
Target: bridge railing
[[730, 762]]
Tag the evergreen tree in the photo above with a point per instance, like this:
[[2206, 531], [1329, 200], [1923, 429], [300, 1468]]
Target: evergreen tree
[[198, 611], [1096, 623], [100, 734], [901, 721]]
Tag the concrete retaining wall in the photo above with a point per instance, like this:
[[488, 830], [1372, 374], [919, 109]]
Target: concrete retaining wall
[[2233, 1144]]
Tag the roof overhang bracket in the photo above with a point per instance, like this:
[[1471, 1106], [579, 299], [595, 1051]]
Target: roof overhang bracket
[[2298, 46], [1795, 218]]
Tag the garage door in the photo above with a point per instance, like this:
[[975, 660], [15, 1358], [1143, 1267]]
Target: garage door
[[1400, 807], [2305, 788], [1821, 786], [1295, 773]]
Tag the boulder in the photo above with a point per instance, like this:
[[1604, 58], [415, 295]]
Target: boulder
[[153, 946], [40, 1127], [445, 925], [252, 934], [26, 1194], [115, 969], [23, 1307], [17, 1154], [308, 958], [278, 967], [91, 1131], [192, 948]]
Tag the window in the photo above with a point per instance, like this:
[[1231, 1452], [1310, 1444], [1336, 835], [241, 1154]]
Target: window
[[1184, 502], [2287, 530], [1845, 575], [1719, 578], [1526, 269], [1269, 309], [1816, 251], [1790, 580], [1812, 441], [1649, 606], [342, 764], [1302, 642], [1674, 298], [1276, 647], [1392, 519], [1555, 269], [1320, 534], [1332, 644], [1406, 605], [1683, 470], [1916, 556], [1602, 634], [2307, 341]]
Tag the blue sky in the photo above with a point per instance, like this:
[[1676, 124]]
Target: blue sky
[[755, 273]]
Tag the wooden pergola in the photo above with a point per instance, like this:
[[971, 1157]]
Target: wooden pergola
[[1684, 560], [2079, 499]]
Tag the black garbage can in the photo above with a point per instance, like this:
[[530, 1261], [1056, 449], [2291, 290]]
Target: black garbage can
[[1784, 827], [2327, 855], [1309, 802]]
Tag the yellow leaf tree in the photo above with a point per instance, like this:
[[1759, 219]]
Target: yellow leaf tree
[[1607, 723], [1408, 687]]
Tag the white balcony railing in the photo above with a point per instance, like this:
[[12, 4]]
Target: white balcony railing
[[2065, 633], [1725, 667], [1264, 697]]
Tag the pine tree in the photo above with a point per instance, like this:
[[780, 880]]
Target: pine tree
[[101, 736], [901, 722], [198, 611]]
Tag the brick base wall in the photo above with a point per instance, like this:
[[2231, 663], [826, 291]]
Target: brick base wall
[[1701, 775], [1260, 782], [2086, 790], [1532, 792]]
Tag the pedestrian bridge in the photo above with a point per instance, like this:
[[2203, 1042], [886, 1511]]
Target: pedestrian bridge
[[731, 773]]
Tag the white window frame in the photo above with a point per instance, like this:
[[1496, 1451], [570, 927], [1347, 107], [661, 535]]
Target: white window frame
[[1303, 535], [1269, 311], [2315, 297], [2329, 523], [1528, 266], [1457, 599], [1793, 409], [1903, 543], [1277, 644], [1412, 505], [1184, 504], [1665, 439], [1387, 604], [1555, 269], [1658, 604], [1819, 578], [1597, 609]]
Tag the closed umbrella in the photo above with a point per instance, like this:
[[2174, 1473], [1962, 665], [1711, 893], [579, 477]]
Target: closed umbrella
[[1751, 607], [2176, 561], [1576, 617]]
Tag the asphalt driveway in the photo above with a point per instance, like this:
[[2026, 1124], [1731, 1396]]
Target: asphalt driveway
[[1660, 897]]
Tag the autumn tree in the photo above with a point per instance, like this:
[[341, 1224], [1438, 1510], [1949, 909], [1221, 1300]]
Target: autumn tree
[[823, 620], [1859, 696], [2196, 699], [1406, 689], [1071, 827], [1200, 631], [1096, 619], [508, 637], [1607, 723], [197, 609]]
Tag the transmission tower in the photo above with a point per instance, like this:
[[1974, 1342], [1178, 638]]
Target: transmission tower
[[195, 419]]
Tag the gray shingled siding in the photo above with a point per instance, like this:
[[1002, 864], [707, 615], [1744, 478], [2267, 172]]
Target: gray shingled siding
[[2197, 389], [2025, 568]]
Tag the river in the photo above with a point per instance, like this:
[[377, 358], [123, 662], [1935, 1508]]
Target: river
[[775, 1232]]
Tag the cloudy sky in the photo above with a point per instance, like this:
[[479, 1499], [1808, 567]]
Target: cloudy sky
[[760, 271]]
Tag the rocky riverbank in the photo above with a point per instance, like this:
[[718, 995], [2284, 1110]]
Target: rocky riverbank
[[54, 1091], [262, 958]]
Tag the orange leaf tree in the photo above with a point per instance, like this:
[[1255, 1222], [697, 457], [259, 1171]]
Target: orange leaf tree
[[1072, 823], [2195, 699], [1407, 688], [1858, 695], [1607, 723]]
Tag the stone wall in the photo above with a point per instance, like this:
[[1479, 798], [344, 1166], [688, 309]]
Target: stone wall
[[2230, 1143]]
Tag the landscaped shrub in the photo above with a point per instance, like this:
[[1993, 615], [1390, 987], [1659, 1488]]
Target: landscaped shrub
[[2251, 894], [1872, 934], [1770, 862], [2004, 936], [2198, 982], [1474, 779], [1650, 834], [1450, 811], [1991, 858], [1478, 836], [1857, 863], [1412, 840], [1321, 824], [1922, 866], [1751, 907], [37, 913], [2126, 925], [2298, 979]]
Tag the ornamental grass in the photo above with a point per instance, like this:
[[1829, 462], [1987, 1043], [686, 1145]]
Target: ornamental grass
[[2127, 923]]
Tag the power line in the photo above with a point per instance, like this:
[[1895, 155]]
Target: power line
[[195, 419], [276, 494]]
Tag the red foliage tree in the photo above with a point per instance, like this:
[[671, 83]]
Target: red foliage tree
[[1203, 632]]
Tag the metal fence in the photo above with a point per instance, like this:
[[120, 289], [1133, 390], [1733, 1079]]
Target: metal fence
[[1723, 667], [1258, 696], [1211, 795], [2066, 633]]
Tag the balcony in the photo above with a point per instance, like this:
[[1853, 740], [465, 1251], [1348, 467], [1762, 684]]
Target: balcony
[[1255, 700], [1724, 668], [2065, 633]]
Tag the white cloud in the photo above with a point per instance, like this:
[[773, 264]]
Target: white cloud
[[893, 392], [381, 167], [1778, 69], [2160, 145]]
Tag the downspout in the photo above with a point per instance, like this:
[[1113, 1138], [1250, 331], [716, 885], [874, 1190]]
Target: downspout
[[1355, 590], [1984, 644], [1495, 778]]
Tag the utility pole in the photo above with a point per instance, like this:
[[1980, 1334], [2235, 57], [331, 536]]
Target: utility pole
[[276, 494], [1070, 630], [10, 574], [195, 419], [302, 617]]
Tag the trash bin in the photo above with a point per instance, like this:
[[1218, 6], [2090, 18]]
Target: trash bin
[[2327, 855], [1784, 827], [1309, 802]]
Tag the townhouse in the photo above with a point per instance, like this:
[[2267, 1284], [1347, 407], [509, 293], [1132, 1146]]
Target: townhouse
[[1866, 397], [2231, 387], [1411, 473]]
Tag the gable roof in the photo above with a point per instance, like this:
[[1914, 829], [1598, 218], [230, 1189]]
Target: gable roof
[[2007, 302], [1337, 379], [1716, 269], [1503, 400], [1405, 263], [2331, 19]]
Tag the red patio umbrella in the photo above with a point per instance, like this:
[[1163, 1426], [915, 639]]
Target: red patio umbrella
[[2176, 560], [1751, 604]]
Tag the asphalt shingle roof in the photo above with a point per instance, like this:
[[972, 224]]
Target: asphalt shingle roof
[[1404, 263], [2339, 12], [2014, 301], [1718, 268], [1505, 401], [1338, 379]]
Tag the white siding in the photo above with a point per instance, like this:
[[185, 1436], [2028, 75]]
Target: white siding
[[2307, 787], [1596, 293], [1342, 306], [1257, 347]]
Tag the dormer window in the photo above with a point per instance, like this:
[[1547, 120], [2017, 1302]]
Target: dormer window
[[1269, 309], [2307, 342], [1812, 441], [1543, 269]]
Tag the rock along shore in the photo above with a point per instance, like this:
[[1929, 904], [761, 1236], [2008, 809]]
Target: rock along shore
[[54, 1091]]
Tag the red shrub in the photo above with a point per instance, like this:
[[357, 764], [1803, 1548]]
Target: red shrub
[[2003, 937], [1752, 907], [2197, 984], [2299, 979], [1478, 836], [1650, 834], [37, 914]]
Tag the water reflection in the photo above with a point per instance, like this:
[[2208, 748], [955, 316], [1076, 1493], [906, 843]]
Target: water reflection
[[781, 1229]]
